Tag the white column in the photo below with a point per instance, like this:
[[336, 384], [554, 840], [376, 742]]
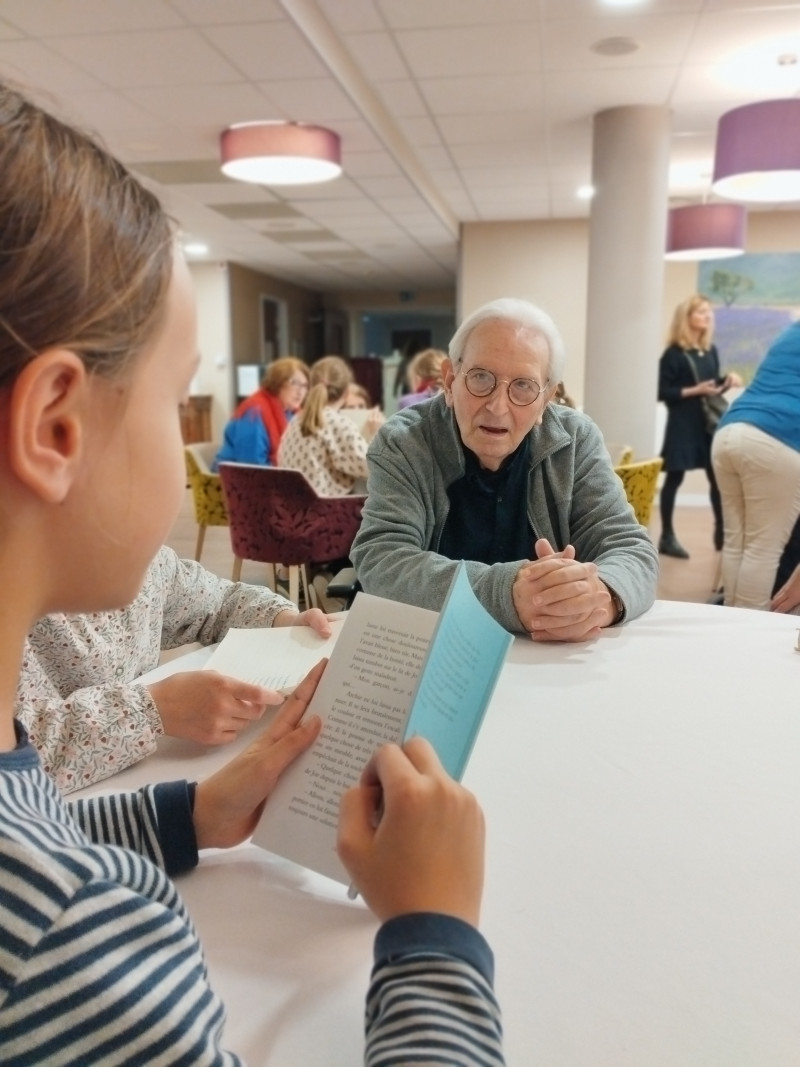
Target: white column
[[627, 229]]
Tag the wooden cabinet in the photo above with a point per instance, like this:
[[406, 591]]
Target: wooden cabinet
[[196, 420]]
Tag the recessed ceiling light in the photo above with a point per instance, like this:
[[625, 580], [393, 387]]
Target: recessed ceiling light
[[585, 192], [615, 46], [765, 67], [195, 248]]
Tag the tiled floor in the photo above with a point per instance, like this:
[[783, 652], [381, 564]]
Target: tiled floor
[[691, 579]]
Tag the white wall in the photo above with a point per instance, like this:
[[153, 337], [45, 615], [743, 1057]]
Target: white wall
[[214, 376], [545, 262]]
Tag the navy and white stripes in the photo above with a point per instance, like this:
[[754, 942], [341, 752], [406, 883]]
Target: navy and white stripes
[[100, 964], [431, 998]]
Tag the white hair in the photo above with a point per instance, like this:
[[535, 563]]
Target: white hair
[[520, 313]]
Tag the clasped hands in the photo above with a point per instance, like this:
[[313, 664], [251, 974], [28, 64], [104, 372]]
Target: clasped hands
[[559, 599]]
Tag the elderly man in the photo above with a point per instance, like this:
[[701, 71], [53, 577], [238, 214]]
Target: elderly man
[[490, 472]]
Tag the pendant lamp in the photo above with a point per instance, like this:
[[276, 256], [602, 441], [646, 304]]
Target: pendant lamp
[[706, 231], [757, 156], [280, 153]]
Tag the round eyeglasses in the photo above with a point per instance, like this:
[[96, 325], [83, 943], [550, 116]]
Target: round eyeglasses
[[521, 391]]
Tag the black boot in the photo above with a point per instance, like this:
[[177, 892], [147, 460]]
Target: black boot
[[669, 545]]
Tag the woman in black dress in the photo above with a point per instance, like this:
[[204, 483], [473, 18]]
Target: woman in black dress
[[688, 371]]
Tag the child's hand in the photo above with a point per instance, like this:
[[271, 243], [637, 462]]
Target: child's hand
[[228, 805], [411, 837]]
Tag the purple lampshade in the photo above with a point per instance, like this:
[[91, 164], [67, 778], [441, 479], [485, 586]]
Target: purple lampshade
[[706, 231], [757, 156], [280, 153]]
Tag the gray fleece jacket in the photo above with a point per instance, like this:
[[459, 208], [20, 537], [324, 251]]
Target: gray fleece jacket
[[574, 498]]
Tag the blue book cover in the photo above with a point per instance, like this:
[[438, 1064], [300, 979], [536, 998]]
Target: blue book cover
[[396, 671], [458, 677]]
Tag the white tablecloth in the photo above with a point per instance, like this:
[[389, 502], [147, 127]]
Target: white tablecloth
[[642, 795]]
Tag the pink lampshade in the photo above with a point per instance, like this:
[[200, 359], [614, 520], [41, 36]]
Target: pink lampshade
[[757, 156], [280, 153], [706, 231]]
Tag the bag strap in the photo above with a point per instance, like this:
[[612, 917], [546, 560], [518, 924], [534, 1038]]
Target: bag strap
[[692, 367]]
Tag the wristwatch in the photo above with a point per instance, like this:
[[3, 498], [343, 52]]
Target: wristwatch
[[618, 606]]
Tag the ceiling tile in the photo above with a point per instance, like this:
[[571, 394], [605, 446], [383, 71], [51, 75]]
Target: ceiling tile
[[377, 56], [214, 13], [484, 93], [43, 18], [257, 211], [35, 66], [481, 107], [155, 58], [662, 39], [405, 14], [276, 49], [219, 105], [315, 100], [181, 172], [471, 50]]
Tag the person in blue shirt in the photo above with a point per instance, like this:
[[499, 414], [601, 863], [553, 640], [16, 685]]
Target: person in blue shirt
[[254, 431], [756, 457]]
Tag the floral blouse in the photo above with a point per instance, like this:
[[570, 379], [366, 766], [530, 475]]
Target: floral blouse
[[332, 459], [77, 695]]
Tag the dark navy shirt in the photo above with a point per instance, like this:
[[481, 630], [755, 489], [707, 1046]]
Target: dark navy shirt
[[488, 519]]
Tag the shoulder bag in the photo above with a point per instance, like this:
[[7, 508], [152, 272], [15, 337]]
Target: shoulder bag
[[714, 404]]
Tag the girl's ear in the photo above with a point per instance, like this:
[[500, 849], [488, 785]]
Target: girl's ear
[[48, 406]]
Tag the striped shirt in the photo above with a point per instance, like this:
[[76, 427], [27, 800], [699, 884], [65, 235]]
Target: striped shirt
[[430, 999], [100, 964]]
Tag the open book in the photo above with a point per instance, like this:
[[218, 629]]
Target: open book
[[278, 658], [396, 671]]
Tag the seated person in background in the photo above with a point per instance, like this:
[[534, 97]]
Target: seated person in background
[[424, 377], [78, 697], [490, 472], [253, 433], [357, 398], [323, 443]]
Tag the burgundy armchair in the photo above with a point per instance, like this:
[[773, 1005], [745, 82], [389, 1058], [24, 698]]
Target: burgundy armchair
[[275, 516]]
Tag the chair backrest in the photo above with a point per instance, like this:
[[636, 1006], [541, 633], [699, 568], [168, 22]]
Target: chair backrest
[[276, 516], [640, 481], [203, 453], [207, 496], [620, 454]]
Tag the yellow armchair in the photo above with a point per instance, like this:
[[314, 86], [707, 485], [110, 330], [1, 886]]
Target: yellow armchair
[[621, 455], [640, 481], [209, 503]]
